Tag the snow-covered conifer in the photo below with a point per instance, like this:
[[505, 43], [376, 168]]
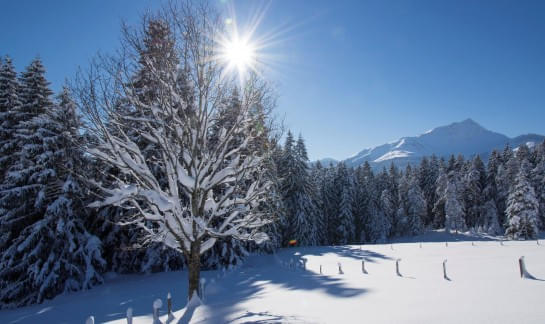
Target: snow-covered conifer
[[412, 205], [427, 177], [317, 175], [473, 184], [454, 212], [522, 207], [9, 103], [53, 252], [439, 206], [345, 217]]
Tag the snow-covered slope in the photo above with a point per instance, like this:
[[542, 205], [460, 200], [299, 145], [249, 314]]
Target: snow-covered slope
[[484, 287], [466, 137]]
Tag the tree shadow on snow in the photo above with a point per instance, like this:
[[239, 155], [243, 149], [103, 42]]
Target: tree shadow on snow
[[107, 302], [529, 276], [346, 251], [285, 269], [223, 293], [263, 318]]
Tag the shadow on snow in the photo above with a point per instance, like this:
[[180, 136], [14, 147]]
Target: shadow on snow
[[224, 292]]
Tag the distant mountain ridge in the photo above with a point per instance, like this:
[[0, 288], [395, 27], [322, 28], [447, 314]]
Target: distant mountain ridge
[[466, 137]]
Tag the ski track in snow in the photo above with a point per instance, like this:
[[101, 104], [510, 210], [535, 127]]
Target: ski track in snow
[[484, 287]]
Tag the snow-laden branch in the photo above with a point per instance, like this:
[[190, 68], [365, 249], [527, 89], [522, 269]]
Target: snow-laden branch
[[182, 166]]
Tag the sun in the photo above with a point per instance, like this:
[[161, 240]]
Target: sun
[[239, 54], [244, 49]]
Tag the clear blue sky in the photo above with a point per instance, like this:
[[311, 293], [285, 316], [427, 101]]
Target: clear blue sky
[[350, 74]]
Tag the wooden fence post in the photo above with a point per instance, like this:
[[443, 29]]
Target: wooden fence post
[[169, 304], [202, 283], [129, 315], [397, 268], [363, 267], [156, 305], [445, 270]]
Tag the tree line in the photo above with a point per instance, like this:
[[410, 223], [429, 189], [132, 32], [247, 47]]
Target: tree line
[[340, 205]]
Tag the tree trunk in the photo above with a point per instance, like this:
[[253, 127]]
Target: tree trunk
[[194, 271]]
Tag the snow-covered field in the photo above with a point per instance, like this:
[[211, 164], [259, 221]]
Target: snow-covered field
[[485, 287]]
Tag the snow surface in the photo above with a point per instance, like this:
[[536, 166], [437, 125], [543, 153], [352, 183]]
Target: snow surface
[[393, 155], [484, 287]]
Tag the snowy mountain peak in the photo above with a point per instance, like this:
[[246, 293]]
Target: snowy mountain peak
[[466, 137], [467, 126]]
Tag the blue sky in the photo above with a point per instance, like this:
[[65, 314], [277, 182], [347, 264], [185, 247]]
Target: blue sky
[[350, 74]]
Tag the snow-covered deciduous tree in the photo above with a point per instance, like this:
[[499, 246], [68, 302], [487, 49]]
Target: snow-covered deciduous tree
[[213, 184], [522, 207], [152, 45]]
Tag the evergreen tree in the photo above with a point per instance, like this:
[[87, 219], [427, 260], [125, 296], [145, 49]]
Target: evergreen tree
[[345, 218], [538, 180], [330, 197], [412, 205], [53, 252], [490, 222], [505, 177], [26, 176], [378, 225], [454, 213], [473, 184], [362, 197], [317, 176], [522, 207], [439, 206], [428, 172], [390, 196], [9, 104], [297, 193]]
